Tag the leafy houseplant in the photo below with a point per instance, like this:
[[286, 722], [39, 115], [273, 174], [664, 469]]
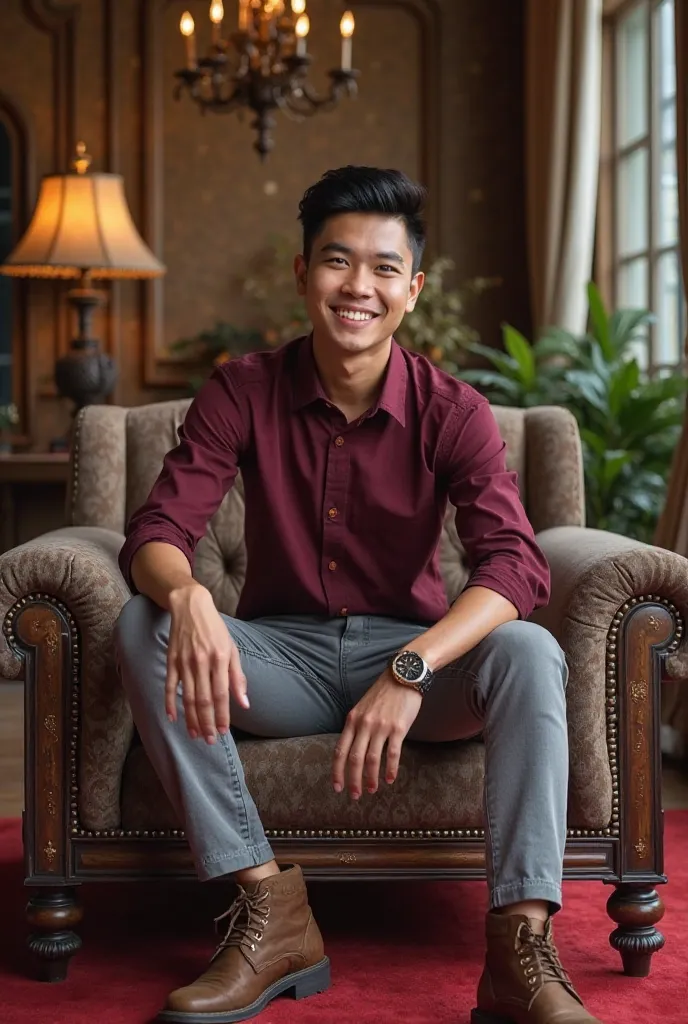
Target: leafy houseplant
[[437, 327], [629, 424]]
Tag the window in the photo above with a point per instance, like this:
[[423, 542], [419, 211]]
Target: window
[[6, 237], [645, 265]]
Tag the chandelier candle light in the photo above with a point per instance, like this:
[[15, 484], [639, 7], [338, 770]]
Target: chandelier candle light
[[263, 65]]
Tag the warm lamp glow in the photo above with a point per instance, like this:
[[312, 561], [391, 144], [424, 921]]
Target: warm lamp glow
[[186, 24], [346, 25], [82, 223], [217, 12], [298, 6], [303, 26]]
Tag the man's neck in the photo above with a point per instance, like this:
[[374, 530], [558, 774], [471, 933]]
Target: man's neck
[[352, 382]]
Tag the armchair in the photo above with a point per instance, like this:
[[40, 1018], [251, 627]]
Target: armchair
[[95, 809]]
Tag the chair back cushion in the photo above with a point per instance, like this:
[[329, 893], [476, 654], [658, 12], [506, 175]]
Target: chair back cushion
[[120, 452]]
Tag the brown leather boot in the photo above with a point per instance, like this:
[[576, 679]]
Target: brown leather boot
[[272, 945], [523, 981]]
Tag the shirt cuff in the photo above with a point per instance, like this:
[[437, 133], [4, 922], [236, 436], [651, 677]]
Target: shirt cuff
[[137, 540], [524, 599]]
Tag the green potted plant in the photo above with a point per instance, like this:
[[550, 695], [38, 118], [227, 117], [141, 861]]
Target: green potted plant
[[437, 327], [629, 423]]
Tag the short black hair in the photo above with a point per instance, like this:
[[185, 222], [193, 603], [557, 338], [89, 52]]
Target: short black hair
[[354, 189]]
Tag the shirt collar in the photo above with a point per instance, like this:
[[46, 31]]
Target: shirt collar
[[308, 388]]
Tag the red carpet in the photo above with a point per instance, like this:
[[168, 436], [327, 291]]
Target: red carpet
[[400, 952]]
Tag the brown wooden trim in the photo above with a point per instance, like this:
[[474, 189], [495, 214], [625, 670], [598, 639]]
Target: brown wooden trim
[[333, 859], [45, 636], [648, 630], [23, 196], [60, 23], [157, 368], [111, 160]]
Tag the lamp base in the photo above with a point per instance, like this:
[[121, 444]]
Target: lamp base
[[85, 374]]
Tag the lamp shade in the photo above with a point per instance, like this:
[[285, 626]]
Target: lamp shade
[[82, 223]]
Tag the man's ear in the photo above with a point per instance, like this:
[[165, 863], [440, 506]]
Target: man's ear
[[301, 274], [416, 288]]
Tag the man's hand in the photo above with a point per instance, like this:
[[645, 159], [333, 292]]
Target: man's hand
[[204, 657], [383, 715]]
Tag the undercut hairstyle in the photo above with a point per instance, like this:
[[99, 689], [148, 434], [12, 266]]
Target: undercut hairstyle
[[353, 189]]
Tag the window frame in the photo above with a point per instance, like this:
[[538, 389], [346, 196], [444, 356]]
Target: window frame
[[608, 260]]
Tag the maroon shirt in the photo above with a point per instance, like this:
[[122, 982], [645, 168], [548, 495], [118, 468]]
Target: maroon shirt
[[345, 518]]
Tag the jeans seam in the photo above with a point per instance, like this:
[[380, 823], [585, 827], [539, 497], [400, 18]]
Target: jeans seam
[[245, 827], [289, 666], [217, 858]]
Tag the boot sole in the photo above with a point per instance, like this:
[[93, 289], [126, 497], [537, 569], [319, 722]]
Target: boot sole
[[480, 1017], [299, 985]]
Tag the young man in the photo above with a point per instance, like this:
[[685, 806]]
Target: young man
[[349, 447]]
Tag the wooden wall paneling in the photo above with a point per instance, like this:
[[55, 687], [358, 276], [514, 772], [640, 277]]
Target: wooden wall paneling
[[111, 162], [60, 23], [158, 369], [23, 193]]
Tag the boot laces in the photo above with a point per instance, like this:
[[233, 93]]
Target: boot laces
[[540, 960], [246, 920]]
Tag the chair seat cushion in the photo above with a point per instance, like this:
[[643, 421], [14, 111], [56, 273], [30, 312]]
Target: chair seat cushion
[[439, 786]]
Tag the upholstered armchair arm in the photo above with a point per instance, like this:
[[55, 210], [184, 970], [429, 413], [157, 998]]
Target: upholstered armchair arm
[[598, 580], [60, 596]]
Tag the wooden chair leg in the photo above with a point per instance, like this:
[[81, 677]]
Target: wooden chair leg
[[51, 914], [636, 909]]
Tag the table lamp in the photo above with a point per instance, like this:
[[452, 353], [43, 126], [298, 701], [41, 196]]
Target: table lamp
[[82, 228]]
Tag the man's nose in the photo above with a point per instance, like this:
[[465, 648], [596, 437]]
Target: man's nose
[[359, 281]]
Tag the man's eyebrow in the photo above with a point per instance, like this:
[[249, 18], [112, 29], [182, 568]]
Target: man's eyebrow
[[392, 257]]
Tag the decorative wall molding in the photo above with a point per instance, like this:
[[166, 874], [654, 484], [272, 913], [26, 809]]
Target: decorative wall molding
[[158, 368], [60, 24], [18, 127]]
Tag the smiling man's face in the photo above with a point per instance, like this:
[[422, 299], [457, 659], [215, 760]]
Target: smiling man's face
[[358, 283]]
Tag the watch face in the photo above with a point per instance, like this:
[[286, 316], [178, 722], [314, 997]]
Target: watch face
[[409, 666]]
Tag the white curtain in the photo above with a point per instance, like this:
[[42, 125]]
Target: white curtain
[[563, 115]]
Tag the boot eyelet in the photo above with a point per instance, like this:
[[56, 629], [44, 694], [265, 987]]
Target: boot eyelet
[[253, 947], [531, 981]]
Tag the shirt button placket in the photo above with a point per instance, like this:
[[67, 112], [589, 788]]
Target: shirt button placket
[[333, 536]]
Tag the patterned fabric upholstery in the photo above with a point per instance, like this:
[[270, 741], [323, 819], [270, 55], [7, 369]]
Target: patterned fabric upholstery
[[118, 455]]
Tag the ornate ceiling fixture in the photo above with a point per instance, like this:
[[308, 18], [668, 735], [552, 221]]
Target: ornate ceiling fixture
[[263, 66]]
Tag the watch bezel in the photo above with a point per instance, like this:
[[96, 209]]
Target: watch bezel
[[424, 679]]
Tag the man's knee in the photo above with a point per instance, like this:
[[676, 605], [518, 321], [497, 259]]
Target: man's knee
[[529, 653], [141, 632]]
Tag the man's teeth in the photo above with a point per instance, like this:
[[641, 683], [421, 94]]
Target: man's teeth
[[349, 314]]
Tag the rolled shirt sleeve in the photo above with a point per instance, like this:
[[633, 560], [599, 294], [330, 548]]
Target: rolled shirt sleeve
[[195, 476], [491, 522]]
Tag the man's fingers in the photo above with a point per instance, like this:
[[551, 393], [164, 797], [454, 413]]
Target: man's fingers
[[371, 765], [355, 761], [189, 702], [205, 708], [394, 744], [171, 684], [341, 752], [220, 690], [237, 680]]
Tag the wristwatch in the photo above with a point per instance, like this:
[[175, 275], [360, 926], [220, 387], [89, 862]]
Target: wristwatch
[[409, 669]]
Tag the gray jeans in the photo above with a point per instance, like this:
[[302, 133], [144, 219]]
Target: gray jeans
[[304, 674]]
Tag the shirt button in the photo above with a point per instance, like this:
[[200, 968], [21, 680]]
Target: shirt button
[[339, 441], [332, 513], [332, 566], [343, 611]]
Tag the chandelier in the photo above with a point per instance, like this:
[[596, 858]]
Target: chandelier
[[262, 66]]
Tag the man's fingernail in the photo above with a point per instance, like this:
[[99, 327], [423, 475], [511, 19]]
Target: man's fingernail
[[337, 787], [371, 789], [210, 738], [223, 730], [355, 795], [193, 734], [170, 718], [389, 781]]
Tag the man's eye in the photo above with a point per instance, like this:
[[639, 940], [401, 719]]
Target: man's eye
[[387, 268], [336, 259]]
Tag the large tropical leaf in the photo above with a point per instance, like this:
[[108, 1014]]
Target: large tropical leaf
[[520, 350], [600, 322]]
